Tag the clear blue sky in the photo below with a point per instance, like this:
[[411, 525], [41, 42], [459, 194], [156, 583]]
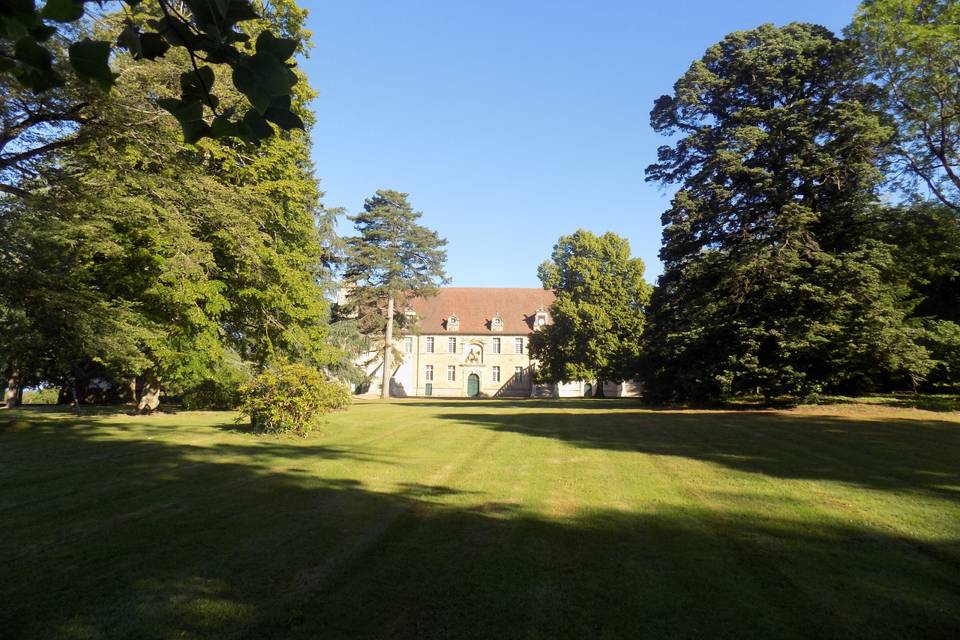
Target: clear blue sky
[[511, 123]]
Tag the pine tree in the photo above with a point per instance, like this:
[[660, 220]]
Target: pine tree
[[393, 260]]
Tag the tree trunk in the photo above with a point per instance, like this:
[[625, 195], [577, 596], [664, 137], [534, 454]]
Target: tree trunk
[[13, 393], [133, 390], [599, 393], [387, 351], [150, 398], [76, 396]]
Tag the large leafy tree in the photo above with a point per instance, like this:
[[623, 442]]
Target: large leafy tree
[[912, 50], [35, 126], [597, 316], [926, 235], [215, 250], [58, 59], [773, 281], [393, 259]]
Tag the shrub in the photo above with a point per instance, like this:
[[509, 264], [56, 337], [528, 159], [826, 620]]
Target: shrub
[[47, 395], [290, 398]]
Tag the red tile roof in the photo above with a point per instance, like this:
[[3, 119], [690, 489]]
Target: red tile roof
[[475, 307]]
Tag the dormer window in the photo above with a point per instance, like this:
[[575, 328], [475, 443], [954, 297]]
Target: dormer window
[[540, 319], [453, 323], [496, 324]]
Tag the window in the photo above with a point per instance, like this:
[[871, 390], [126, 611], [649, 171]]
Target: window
[[518, 345], [429, 345], [428, 373], [497, 322], [451, 345], [496, 374], [451, 373], [408, 345], [541, 319], [518, 373], [496, 345], [453, 323]]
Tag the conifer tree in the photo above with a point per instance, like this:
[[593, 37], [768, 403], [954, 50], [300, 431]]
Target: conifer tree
[[772, 281], [393, 259]]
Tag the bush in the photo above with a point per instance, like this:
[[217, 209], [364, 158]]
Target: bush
[[47, 395], [290, 398]]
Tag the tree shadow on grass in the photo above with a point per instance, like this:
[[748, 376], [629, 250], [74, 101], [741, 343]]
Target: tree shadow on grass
[[518, 403], [926, 402], [110, 537], [891, 454]]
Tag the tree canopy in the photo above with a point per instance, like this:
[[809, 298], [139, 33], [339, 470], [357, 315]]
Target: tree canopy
[[912, 51], [773, 281], [137, 255], [597, 316], [58, 60], [393, 259]]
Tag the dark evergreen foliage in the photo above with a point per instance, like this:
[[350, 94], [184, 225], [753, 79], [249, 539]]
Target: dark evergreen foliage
[[774, 282], [393, 260]]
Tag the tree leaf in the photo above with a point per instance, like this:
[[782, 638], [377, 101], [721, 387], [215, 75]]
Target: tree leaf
[[28, 52], [280, 48], [194, 130], [258, 125], [261, 77], [129, 39], [283, 118], [189, 113], [223, 127], [280, 102], [63, 10], [42, 33], [152, 45], [223, 53], [90, 59], [204, 13], [197, 84], [238, 11], [178, 33]]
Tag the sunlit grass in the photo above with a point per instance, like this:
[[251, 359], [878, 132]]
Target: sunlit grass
[[448, 519]]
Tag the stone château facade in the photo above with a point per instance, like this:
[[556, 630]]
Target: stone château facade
[[475, 342]]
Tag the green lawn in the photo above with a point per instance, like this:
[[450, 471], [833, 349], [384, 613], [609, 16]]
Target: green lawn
[[497, 519]]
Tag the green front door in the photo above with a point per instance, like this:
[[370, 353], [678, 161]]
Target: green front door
[[473, 385]]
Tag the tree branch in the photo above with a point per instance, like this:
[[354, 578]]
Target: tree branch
[[13, 159], [12, 190]]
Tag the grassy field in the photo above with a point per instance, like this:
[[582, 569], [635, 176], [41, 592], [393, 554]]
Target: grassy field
[[494, 519]]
